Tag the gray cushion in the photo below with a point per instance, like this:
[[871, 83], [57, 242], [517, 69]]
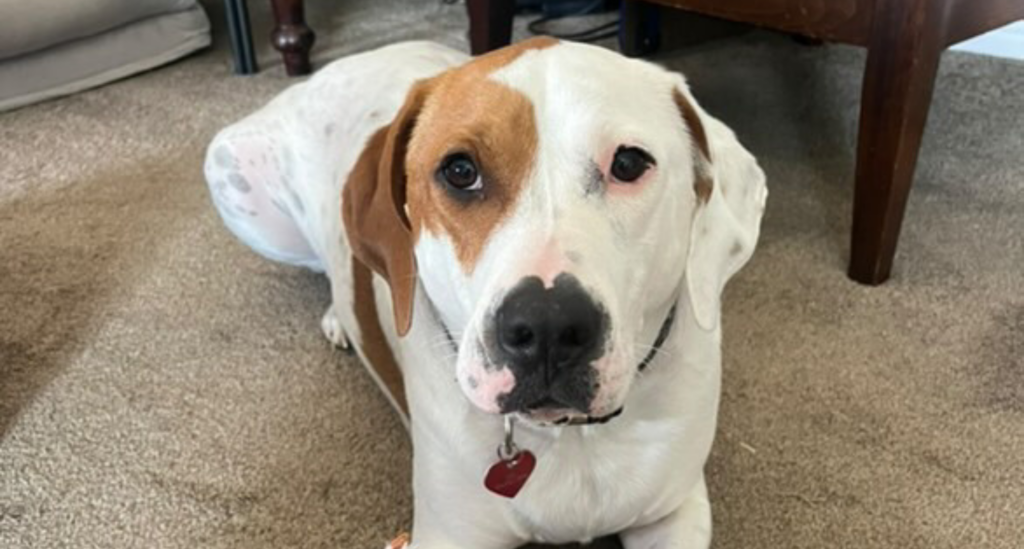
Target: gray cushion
[[30, 25], [90, 61]]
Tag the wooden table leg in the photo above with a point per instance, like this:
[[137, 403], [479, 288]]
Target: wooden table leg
[[490, 24], [903, 58], [291, 36], [640, 30]]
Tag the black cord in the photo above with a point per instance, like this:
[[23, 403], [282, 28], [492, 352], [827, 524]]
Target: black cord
[[588, 35]]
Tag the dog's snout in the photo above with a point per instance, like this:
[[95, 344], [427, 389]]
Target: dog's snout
[[549, 328]]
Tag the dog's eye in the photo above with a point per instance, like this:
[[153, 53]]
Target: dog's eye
[[630, 163], [460, 172]]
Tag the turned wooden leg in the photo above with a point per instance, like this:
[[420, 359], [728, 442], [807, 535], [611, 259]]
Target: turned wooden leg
[[291, 36], [490, 24], [903, 58]]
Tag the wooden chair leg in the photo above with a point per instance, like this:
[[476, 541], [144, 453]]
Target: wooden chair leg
[[490, 24], [903, 59], [291, 36], [640, 30]]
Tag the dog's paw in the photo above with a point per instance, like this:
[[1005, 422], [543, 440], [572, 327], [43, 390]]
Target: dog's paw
[[400, 542], [331, 327]]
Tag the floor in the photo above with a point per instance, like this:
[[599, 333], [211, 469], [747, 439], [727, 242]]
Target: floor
[[163, 387]]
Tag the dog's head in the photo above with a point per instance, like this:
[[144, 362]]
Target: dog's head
[[554, 200]]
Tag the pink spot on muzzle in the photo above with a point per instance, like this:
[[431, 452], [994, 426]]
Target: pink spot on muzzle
[[490, 386]]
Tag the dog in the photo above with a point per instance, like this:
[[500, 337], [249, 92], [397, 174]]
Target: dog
[[527, 249]]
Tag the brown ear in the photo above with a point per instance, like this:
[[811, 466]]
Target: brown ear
[[373, 210], [730, 200], [702, 183]]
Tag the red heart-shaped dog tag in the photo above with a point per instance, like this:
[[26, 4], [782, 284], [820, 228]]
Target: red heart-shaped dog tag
[[507, 477]]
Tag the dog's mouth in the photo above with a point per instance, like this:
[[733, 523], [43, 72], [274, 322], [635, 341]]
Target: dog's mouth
[[550, 416], [589, 420]]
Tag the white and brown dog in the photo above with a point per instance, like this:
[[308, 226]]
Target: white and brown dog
[[542, 233]]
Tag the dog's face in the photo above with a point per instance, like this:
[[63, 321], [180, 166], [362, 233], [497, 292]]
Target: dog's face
[[559, 199]]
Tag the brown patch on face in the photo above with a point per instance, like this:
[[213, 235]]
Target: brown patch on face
[[375, 197], [494, 124], [373, 342], [702, 183]]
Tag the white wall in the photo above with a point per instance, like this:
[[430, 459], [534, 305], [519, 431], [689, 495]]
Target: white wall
[[1005, 42]]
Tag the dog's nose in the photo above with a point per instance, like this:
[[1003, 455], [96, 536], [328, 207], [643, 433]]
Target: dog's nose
[[551, 328]]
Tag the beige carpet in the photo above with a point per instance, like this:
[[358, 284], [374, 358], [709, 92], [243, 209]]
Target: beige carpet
[[161, 386]]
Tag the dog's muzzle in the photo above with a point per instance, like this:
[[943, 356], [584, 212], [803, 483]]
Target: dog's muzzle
[[549, 337]]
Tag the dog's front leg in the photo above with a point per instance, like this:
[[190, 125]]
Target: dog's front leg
[[454, 519], [688, 527], [461, 536], [403, 543], [458, 541], [331, 326]]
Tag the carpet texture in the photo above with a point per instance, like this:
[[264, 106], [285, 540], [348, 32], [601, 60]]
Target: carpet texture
[[161, 386]]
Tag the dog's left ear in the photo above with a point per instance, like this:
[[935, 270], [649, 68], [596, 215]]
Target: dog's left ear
[[731, 192], [378, 229]]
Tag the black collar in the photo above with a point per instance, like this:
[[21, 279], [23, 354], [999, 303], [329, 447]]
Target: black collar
[[666, 328]]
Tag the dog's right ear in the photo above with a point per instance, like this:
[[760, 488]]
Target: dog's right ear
[[378, 229], [730, 196]]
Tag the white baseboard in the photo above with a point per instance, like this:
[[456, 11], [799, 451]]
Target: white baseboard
[[1007, 41]]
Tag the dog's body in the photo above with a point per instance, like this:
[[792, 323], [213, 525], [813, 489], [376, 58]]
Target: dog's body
[[364, 138]]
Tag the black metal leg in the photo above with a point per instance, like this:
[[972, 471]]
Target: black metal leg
[[241, 36]]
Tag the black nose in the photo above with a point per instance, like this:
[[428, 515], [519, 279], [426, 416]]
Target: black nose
[[549, 328]]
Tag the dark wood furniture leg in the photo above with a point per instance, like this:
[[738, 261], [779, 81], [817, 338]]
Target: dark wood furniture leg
[[908, 37], [490, 24], [241, 36], [640, 30], [291, 36]]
